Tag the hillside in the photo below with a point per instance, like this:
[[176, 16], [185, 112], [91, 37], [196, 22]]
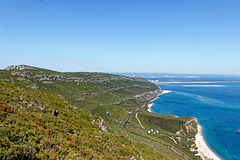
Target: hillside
[[113, 98], [30, 130]]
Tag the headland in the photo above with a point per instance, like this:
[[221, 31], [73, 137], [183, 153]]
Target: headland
[[203, 150]]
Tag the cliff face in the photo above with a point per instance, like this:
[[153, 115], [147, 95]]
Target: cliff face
[[113, 98]]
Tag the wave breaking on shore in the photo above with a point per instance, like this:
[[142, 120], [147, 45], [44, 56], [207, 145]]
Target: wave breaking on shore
[[204, 150], [151, 104]]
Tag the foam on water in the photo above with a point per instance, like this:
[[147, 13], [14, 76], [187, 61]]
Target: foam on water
[[194, 85], [217, 110]]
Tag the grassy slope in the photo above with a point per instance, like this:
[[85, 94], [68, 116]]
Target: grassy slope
[[110, 97], [31, 132]]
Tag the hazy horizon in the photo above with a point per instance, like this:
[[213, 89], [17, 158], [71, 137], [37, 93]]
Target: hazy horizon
[[140, 73]]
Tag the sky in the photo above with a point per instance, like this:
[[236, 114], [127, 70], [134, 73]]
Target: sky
[[164, 36]]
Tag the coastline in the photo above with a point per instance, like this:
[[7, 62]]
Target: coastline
[[159, 82], [204, 150], [151, 104]]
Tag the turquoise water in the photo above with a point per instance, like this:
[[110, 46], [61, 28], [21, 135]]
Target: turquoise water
[[217, 107]]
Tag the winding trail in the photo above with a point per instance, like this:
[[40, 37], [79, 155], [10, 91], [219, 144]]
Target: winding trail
[[139, 121]]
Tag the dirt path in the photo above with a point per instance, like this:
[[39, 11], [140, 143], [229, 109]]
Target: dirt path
[[139, 121]]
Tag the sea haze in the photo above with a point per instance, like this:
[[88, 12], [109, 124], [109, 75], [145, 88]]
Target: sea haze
[[182, 77], [215, 104]]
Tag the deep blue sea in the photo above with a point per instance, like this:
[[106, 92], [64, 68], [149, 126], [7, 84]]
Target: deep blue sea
[[217, 107]]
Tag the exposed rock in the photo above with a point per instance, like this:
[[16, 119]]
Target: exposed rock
[[179, 138], [41, 108], [24, 74], [47, 82], [21, 78], [188, 127], [37, 76], [34, 86], [100, 124], [45, 79], [132, 158], [93, 122], [91, 79], [60, 96], [8, 80], [18, 67]]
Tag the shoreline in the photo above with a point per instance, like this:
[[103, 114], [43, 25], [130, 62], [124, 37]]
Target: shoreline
[[159, 82], [151, 104], [204, 151]]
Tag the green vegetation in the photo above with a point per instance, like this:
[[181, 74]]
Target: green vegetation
[[29, 131]]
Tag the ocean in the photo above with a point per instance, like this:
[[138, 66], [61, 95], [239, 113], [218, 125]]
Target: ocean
[[215, 104], [217, 107]]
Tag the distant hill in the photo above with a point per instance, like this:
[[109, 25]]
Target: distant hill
[[112, 98]]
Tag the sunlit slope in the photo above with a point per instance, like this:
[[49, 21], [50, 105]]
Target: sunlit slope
[[114, 98], [30, 130]]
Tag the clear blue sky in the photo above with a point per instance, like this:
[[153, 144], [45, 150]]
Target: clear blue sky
[[175, 36]]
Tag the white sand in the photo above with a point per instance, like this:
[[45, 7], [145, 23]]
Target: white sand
[[166, 91], [149, 107], [151, 104], [203, 150]]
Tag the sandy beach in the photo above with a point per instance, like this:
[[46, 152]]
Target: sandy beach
[[151, 104], [149, 107], [203, 150]]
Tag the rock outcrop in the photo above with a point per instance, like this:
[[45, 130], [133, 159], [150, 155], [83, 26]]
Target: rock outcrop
[[18, 67]]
